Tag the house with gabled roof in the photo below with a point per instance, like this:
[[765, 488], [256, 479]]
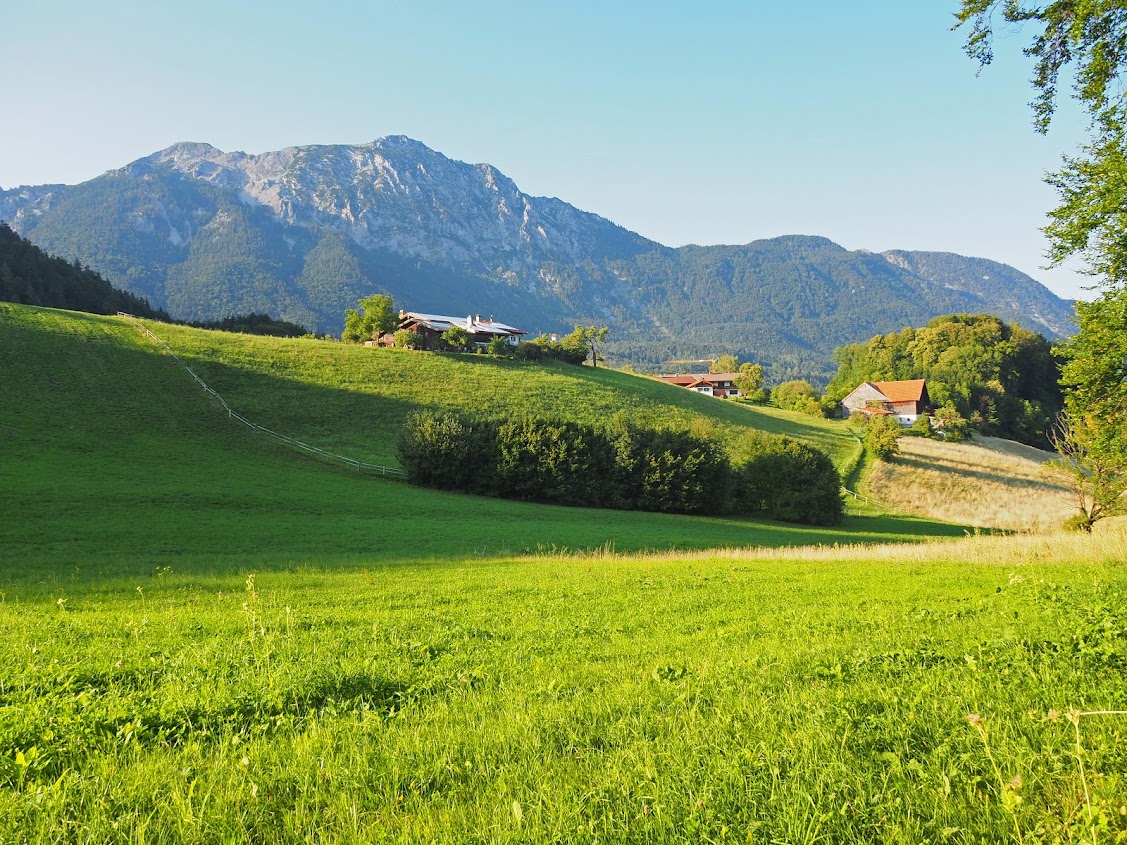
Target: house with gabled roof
[[721, 385], [481, 330], [905, 400]]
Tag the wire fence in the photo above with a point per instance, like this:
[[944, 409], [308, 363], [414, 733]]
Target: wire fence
[[390, 472], [859, 498]]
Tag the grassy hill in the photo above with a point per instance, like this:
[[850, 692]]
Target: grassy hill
[[354, 400], [123, 461], [206, 636]]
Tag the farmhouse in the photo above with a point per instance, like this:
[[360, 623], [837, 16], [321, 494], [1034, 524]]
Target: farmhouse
[[722, 385], [481, 330], [905, 400]]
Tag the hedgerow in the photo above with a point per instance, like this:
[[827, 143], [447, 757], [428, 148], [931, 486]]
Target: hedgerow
[[620, 465]]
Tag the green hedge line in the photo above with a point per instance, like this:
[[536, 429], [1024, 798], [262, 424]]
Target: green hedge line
[[620, 465]]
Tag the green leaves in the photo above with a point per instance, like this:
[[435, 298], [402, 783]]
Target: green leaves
[[376, 316], [1090, 36]]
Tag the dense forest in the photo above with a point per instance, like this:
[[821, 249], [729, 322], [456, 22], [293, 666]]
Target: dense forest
[[999, 376], [32, 277]]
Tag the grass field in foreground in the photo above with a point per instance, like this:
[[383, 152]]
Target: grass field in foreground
[[734, 699]]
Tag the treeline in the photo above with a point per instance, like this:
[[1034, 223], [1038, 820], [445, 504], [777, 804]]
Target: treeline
[[30, 276], [1001, 378], [261, 324], [620, 465]]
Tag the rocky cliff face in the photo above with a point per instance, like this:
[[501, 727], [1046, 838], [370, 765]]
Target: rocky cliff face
[[397, 195], [304, 231]]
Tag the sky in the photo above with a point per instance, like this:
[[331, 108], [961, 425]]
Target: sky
[[707, 123]]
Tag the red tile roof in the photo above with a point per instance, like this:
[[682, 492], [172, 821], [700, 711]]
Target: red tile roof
[[901, 391]]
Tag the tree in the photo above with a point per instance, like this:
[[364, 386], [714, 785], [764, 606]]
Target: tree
[[1091, 436], [997, 373], [799, 396], [951, 423], [882, 434], [585, 339], [373, 316], [1091, 36], [455, 338], [1093, 474], [750, 382], [1095, 360], [725, 364], [1090, 222], [921, 427], [408, 339]]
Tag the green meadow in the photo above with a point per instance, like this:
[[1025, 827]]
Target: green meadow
[[353, 400], [206, 636]]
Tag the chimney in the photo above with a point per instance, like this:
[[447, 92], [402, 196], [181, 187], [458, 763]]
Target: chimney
[[469, 320]]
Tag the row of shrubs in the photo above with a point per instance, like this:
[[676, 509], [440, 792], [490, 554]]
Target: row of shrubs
[[620, 465], [537, 349]]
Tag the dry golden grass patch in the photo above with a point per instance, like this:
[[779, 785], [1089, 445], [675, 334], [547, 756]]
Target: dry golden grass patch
[[1106, 545], [989, 483]]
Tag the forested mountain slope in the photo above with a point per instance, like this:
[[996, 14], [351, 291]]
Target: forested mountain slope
[[304, 232]]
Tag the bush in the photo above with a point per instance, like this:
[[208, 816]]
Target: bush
[[798, 396], [528, 351], [1078, 523], [500, 346], [553, 461], [680, 473], [541, 347], [408, 339], [455, 339], [951, 424], [789, 480], [619, 465], [448, 452], [921, 427], [882, 434]]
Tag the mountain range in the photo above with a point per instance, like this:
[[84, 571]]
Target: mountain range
[[304, 232]]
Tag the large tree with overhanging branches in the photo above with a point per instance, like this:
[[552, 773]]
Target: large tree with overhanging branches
[[1086, 41]]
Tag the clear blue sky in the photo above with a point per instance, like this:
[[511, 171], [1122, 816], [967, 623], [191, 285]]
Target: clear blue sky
[[717, 122]]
